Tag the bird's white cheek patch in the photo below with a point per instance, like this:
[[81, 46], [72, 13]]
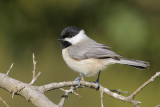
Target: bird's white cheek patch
[[78, 38]]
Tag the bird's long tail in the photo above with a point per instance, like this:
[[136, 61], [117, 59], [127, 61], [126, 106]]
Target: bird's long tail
[[134, 63]]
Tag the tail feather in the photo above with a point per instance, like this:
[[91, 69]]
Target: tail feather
[[134, 63]]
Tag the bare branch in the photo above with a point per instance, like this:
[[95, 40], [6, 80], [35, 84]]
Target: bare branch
[[145, 84], [30, 93], [4, 102], [35, 94], [52, 86], [129, 99], [9, 69]]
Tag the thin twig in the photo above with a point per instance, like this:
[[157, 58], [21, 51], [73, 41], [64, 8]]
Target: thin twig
[[34, 66], [143, 85], [34, 77], [9, 69], [7, 75], [4, 102], [71, 90], [61, 103], [102, 99]]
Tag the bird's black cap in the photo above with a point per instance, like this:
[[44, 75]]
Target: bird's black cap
[[70, 32]]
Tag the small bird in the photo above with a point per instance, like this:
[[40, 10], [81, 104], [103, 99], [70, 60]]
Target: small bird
[[88, 57]]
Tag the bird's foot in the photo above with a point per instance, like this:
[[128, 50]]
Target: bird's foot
[[98, 85], [78, 79]]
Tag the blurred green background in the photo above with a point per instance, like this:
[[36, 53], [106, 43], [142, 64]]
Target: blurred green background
[[130, 27]]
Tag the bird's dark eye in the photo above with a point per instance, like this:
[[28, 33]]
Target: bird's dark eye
[[70, 36]]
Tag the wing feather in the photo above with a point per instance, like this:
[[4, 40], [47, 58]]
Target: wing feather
[[91, 49]]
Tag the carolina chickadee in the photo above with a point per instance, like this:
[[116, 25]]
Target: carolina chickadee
[[87, 57]]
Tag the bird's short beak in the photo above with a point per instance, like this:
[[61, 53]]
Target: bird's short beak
[[60, 39]]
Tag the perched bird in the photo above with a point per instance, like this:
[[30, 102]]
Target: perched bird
[[88, 57]]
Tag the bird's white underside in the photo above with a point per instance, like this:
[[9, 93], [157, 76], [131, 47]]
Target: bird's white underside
[[88, 67]]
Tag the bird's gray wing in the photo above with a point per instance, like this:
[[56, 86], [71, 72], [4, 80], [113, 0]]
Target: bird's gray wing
[[91, 49]]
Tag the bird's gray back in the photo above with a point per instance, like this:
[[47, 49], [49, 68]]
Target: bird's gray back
[[90, 49]]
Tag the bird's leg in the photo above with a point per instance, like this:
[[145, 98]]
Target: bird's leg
[[78, 79], [97, 81]]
